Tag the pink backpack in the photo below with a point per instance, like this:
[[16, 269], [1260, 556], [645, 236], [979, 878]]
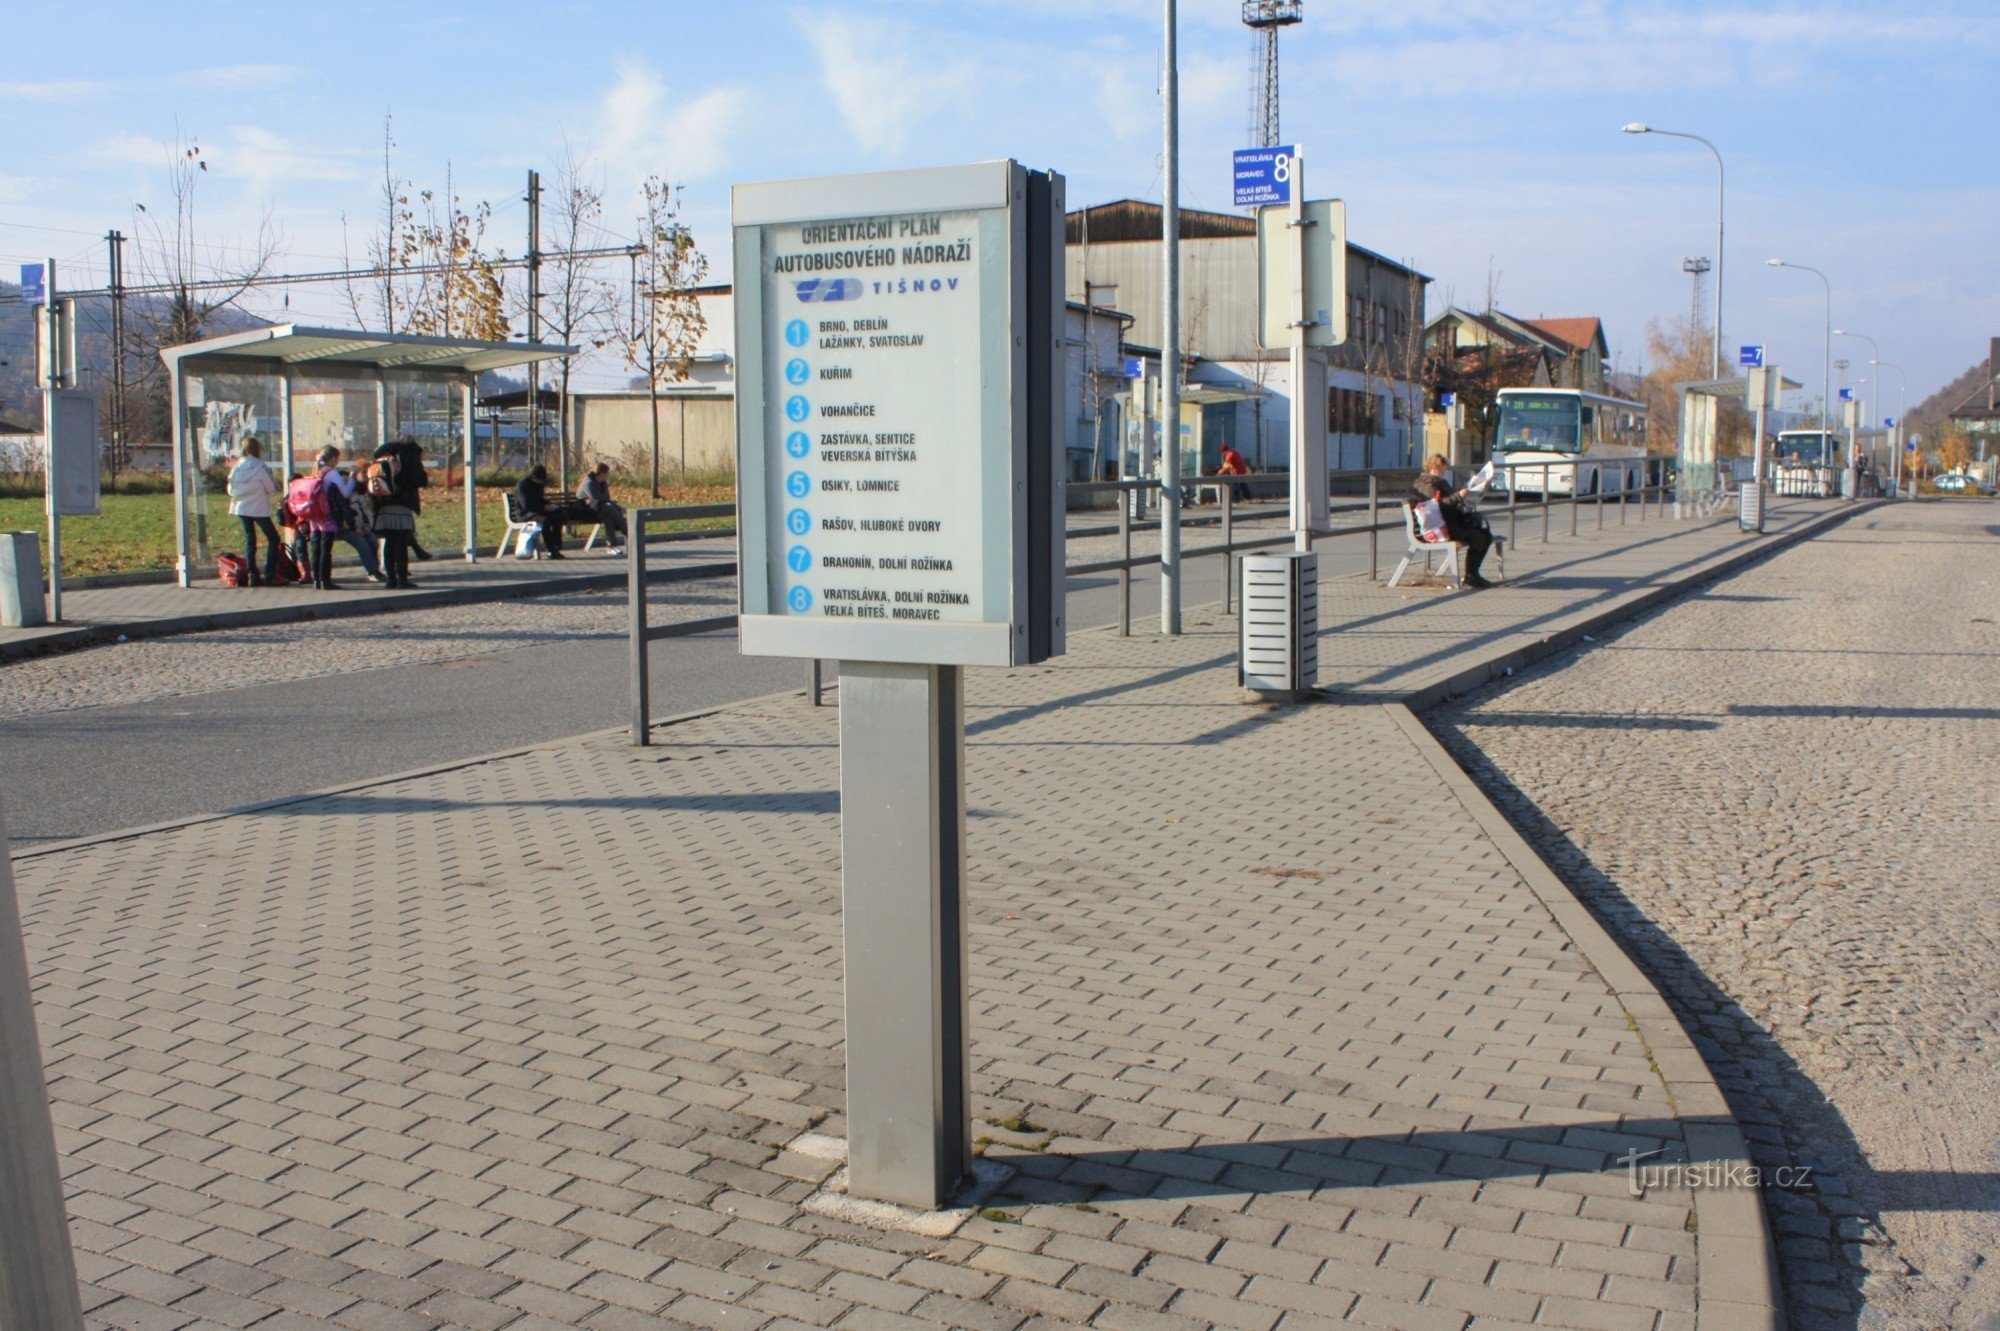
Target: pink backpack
[[305, 500]]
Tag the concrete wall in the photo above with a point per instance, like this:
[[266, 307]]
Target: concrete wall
[[613, 427]]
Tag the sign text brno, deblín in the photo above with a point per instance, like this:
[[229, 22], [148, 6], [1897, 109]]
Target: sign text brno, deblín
[[898, 416]]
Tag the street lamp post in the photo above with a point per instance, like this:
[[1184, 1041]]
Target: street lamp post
[[1872, 346], [1826, 379], [1640, 127], [1902, 407]]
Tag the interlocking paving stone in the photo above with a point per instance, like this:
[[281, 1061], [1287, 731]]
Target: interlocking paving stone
[[521, 1043], [1777, 794]]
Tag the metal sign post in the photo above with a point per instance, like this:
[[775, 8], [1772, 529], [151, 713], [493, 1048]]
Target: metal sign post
[[37, 1269], [1302, 300], [1766, 383], [70, 468], [899, 425]]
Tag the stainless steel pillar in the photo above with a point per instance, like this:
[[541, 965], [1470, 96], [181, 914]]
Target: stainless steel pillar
[[37, 1270], [902, 812]]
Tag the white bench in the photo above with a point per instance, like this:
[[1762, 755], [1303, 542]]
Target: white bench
[[525, 532], [1453, 551]]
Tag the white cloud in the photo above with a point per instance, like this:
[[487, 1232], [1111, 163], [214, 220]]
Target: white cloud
[[261, 156], [642, 133], [137, 149], [55, 90], [884, 93], [240, 78]]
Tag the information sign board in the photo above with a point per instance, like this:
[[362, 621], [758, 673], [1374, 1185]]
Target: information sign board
[[1326, 273], [34, 284], [899, 415], [75, 465], [1262, 175], [1750, 358]]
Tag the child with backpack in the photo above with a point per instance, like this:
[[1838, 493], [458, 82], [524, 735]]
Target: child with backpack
[[314, 504]]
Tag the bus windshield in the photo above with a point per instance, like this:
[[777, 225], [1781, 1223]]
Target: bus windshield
[[1548, 424], [1808, 448]]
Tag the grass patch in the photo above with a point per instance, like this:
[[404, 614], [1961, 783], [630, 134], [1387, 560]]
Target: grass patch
[[1018, 1123]]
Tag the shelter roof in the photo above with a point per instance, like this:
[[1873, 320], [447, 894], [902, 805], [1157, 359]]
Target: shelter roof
[[1138, 220], [297, 344]]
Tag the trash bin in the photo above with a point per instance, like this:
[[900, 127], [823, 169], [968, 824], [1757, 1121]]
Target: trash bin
[[21, 603], [1279, 658]]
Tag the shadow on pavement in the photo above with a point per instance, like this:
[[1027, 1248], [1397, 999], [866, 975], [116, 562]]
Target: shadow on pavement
[[1786, 1118]]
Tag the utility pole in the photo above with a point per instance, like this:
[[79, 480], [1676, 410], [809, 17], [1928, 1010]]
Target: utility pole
[[116, 243], [535, 325], [1170, 339]]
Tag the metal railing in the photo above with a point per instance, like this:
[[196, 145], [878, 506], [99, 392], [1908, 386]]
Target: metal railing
[[1640, 480]]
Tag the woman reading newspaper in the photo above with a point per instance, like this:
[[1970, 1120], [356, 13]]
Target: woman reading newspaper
[[1461, 518]]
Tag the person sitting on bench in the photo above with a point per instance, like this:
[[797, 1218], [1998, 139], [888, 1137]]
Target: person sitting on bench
[[595, 495], [1461, 522], [532, 494]]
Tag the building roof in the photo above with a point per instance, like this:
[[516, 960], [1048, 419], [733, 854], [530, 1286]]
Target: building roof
[[1582, 333], [1127, 221], [18, 422]]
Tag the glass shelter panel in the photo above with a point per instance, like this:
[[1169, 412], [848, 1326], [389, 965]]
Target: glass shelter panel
[[223, 409]]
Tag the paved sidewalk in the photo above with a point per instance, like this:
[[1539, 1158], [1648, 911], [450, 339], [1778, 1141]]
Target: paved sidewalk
[[1277, 1025], [153, 609]]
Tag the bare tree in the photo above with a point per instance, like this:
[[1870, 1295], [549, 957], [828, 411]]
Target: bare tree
[[579, 305], [430, 272], [202, 278], [667, 320], [458, 291]]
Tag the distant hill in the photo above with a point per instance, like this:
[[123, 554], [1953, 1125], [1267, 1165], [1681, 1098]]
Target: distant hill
[[1928, 417], [17, 345]]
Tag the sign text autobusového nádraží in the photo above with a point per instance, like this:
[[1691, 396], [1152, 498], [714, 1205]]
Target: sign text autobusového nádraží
[[875, 347]]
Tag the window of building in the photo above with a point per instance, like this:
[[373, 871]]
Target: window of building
[[1351, 411]]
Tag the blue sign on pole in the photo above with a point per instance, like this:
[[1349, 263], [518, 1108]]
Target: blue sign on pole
[[1133, 369], [1888, 422], [1447, 400], [34, 284], [1847, 395], [1263, 175], [1750, 358]]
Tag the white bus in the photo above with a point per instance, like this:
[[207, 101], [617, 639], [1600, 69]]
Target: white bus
[[1806, 462], [1588, 439]]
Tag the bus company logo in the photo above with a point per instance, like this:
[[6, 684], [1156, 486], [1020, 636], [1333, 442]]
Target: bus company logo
[[819, 290]]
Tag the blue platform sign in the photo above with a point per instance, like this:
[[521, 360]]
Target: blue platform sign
[[1447, 400], [1888, 422], [1750, 358], [1847, 395], [34, 284], [1263, 175]]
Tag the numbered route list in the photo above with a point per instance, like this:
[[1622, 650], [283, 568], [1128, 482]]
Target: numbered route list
[[871, 344]]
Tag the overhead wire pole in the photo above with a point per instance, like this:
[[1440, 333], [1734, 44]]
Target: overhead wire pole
[[1170, 338], [115, 242], [534, 201]]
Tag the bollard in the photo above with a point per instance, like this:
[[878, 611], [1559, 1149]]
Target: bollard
[[38, 1290], [1228, 540], [1374, 536], [1624, 488], [1545, 503], [1125, 571], [815, 682], [1513, 510], [635, 595], [1575, 496]]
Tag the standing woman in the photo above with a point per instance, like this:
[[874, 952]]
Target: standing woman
[[400, 499], [252, 488]]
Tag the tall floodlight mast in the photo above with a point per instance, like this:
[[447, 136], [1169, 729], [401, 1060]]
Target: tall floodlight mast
[[1264, 18]]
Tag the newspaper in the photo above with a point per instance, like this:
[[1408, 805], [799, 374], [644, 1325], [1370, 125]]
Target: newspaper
[[1480, 480]]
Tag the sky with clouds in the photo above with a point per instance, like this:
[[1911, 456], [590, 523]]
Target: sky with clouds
[[1477, 139]]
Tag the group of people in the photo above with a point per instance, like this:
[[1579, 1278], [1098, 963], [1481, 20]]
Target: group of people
[[593, 505], [367, 505]]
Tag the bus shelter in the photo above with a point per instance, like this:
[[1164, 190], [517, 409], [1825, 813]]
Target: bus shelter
[[1697, 468], [299, 389]]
